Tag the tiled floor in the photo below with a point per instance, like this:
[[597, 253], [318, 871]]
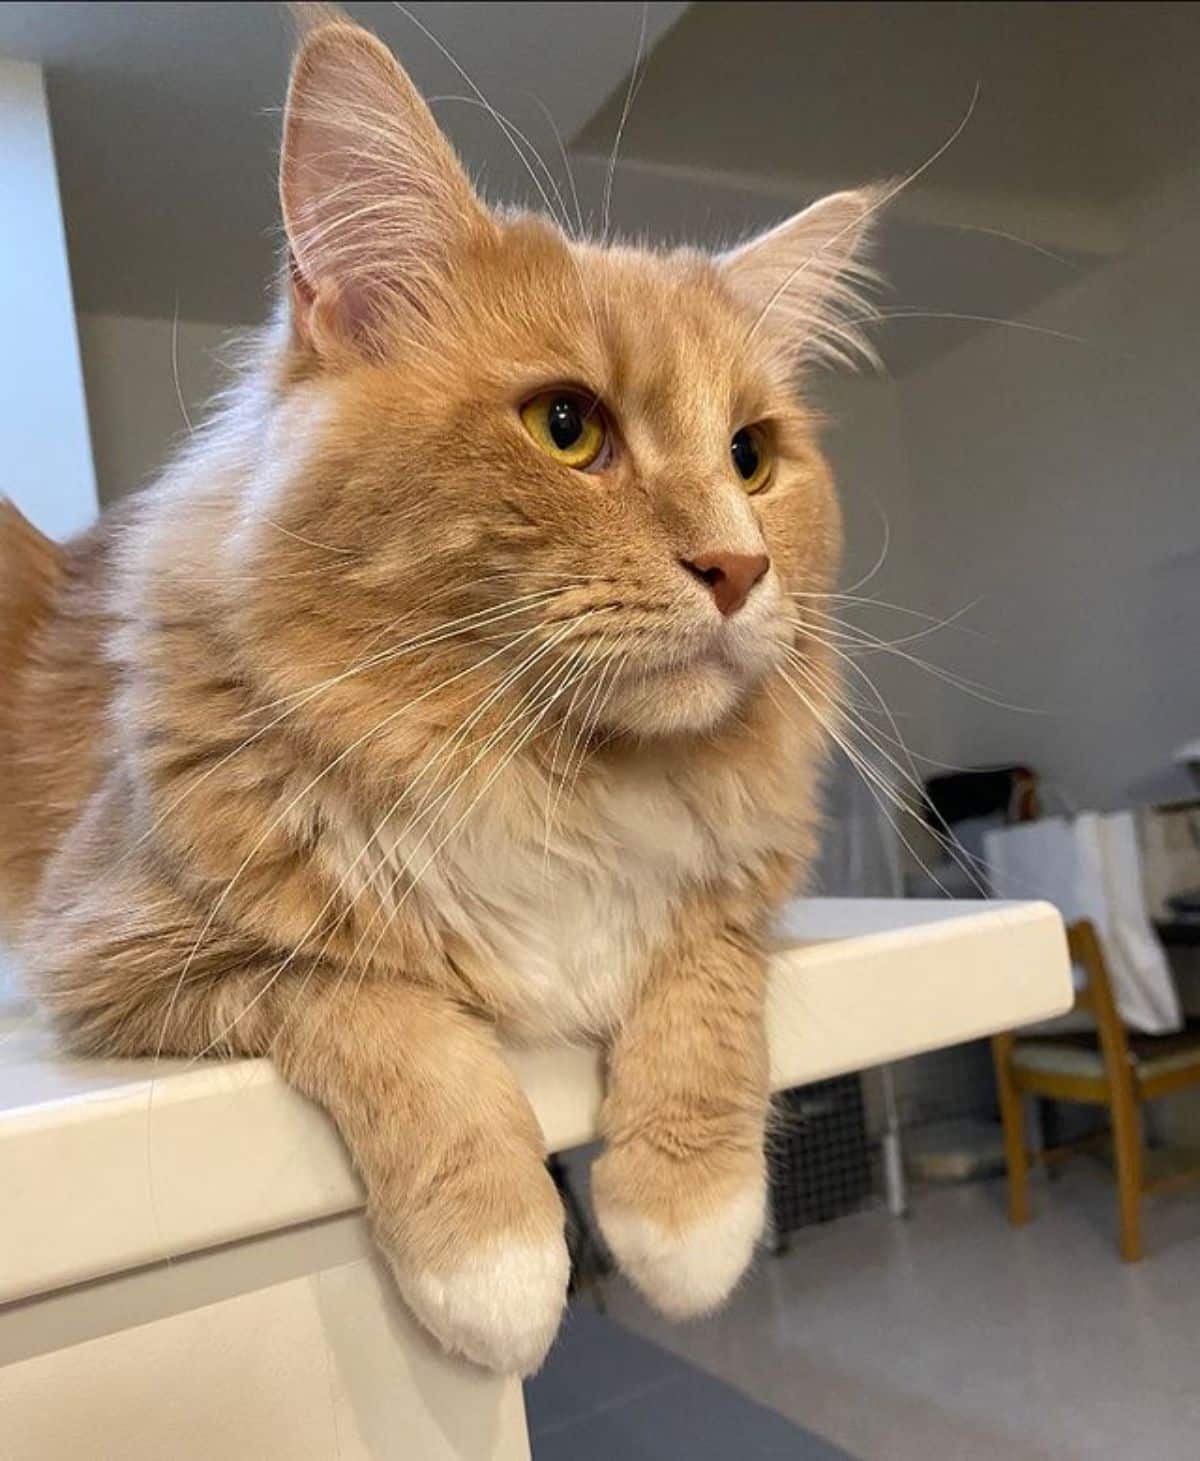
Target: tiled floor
[[606, 1394], [950, 1337]]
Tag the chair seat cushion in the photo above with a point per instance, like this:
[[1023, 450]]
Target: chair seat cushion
[[1079, 1053]]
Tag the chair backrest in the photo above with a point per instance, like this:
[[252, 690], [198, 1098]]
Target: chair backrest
[[1097, 997]]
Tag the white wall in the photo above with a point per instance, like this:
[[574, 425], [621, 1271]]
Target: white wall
[[136, 373], [1060, 481], [44, 449]]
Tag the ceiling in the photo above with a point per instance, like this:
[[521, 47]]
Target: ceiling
[[166, 124], [1082, 113], [1080, 108]]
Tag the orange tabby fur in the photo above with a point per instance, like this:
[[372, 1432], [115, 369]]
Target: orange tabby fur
[[371, 733]]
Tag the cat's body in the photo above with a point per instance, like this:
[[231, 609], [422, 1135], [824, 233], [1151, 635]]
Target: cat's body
[[369, 734]]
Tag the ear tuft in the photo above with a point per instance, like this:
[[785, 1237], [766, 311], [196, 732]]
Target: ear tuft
[[310, 15], [807, 276], [374, 200]]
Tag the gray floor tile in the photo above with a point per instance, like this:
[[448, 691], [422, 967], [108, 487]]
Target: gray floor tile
[[606, 1393], [953, 1337], [594, 1364]]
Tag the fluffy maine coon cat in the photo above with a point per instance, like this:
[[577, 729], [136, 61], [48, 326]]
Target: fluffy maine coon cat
[[439, 692]]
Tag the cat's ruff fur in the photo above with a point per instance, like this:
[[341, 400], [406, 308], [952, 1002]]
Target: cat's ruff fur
[[370, 734]]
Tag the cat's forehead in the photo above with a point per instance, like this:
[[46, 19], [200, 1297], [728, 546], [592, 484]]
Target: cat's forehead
[[658, 333], [674, 336]]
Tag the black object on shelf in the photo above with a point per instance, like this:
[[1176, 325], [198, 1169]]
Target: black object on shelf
[[818, 1155], [1179, 933]]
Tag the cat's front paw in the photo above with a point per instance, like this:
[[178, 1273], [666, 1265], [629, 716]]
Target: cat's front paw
[[500, 1306], [681, 1233]]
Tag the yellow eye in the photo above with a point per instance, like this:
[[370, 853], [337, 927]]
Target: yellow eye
[[567, 426], [751, 453]]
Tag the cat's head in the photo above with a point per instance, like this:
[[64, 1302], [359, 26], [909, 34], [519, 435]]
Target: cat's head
[[601, 449]]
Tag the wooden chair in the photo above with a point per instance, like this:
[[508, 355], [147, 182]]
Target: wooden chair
[[1109, 1067]]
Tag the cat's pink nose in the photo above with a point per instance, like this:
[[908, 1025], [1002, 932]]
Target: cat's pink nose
[[731, 576]]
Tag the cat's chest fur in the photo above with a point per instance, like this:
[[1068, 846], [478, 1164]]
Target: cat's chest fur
[[556, 913]]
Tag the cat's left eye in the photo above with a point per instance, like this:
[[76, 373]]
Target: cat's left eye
[[751, 453], [570, 427]]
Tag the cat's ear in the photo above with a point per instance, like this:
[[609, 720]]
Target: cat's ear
[[808, 275], [375, 202]]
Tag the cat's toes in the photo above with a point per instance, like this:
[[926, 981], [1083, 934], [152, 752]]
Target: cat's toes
[[686, 1264], [500, 1307]]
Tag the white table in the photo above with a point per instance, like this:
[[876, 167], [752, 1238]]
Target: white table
[[184, 1270]]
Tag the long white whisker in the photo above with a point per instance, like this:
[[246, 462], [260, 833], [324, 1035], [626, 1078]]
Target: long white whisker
[[959, 682], [880, 788], [971, 319], [616, 147], [438, 634], [562, 217], [862, 638], [566, 161], [910, 777], [881, 559], [305, 696], [183, 410], [501, 122]]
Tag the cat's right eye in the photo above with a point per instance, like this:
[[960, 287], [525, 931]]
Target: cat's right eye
[[751, 454], [569, 427]]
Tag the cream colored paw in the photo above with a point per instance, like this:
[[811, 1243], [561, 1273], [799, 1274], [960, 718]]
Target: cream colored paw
[[692, 1270], [500, 1308]]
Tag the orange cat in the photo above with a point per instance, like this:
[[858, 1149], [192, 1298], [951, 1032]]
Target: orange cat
[[435, 694]]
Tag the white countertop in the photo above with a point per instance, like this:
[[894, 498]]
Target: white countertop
[[108, 1165]]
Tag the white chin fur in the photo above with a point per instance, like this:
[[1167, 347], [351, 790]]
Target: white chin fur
[[500, 1308], [674, 702], [692, 1272]]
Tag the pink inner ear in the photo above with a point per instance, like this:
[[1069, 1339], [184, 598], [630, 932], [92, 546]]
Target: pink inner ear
[[328, 315]]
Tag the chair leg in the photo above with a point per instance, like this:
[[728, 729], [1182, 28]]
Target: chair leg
[[1127, 1149], [1050, 1126], [1012, 1114]]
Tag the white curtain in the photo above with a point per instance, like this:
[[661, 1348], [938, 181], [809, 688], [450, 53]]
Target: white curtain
[[1089, 867]]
